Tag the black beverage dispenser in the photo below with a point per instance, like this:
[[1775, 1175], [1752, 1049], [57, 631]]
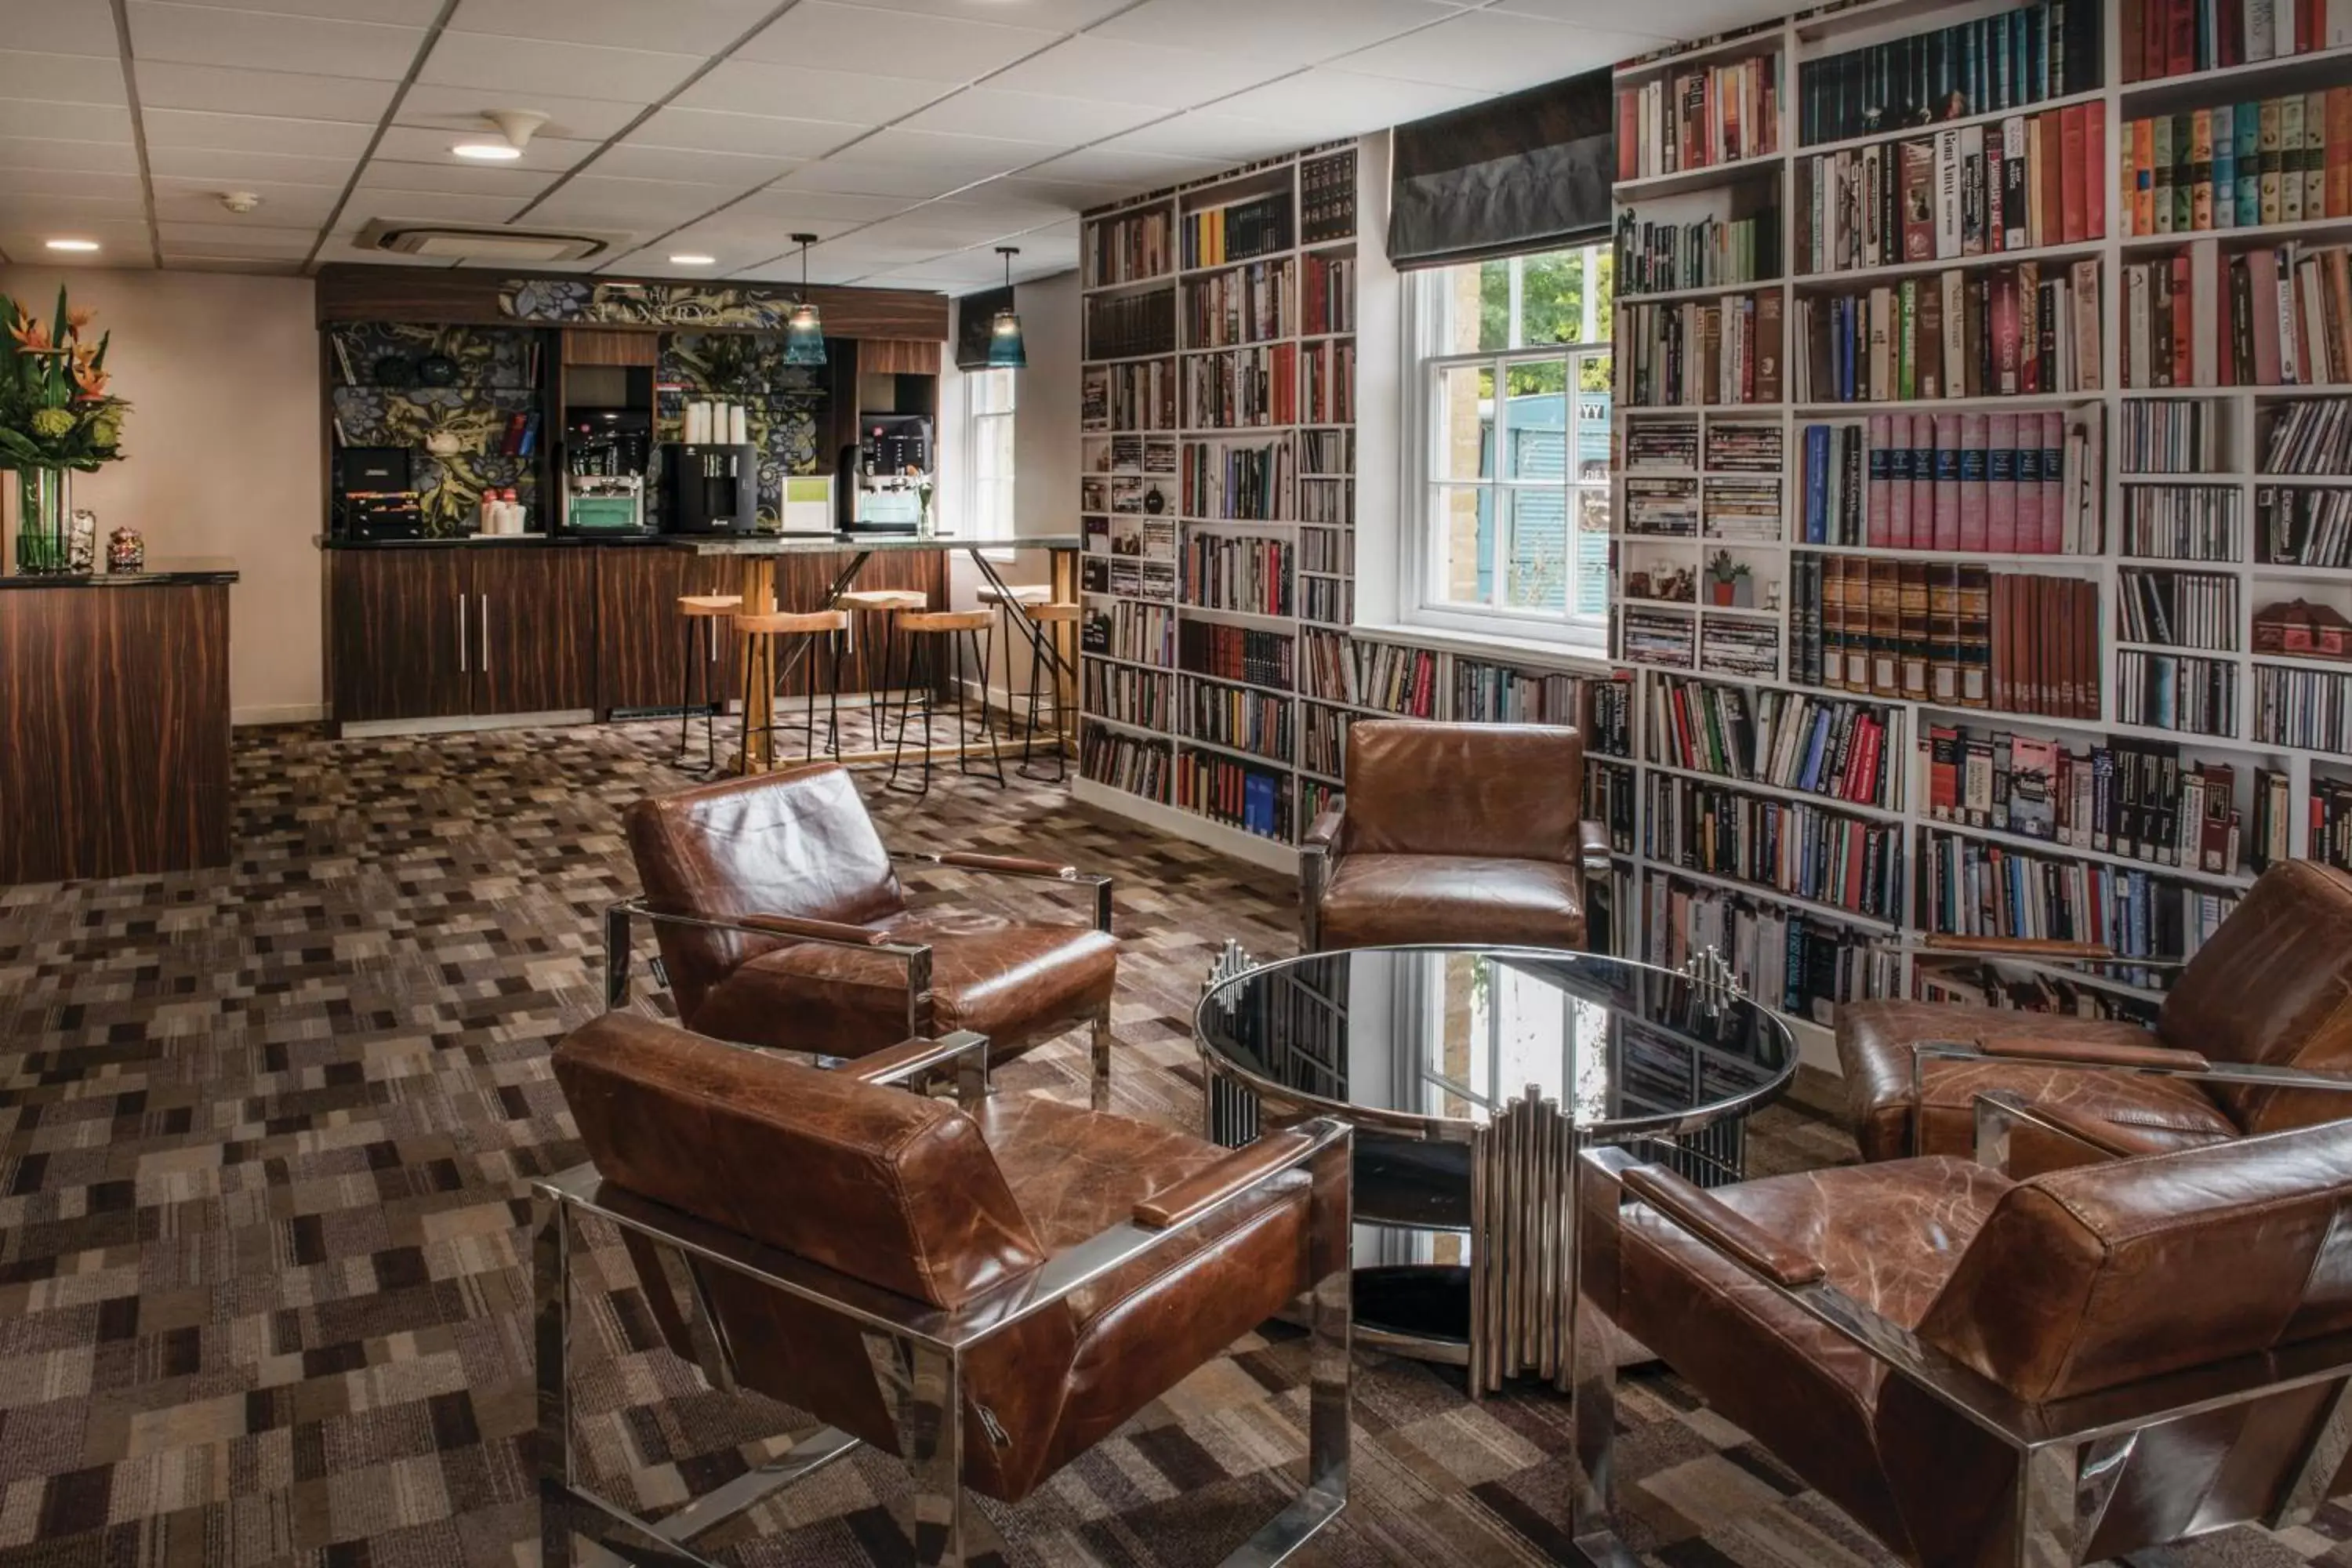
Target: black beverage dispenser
[[709, 489]]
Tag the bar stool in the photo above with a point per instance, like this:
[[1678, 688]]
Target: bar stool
[[887, 603], [918, 629], [705, 610], [762, 635], [1009, 601], [1045, 618]]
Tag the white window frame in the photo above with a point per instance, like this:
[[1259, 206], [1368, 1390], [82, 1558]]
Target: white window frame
[[1423, 601], [977, 423]]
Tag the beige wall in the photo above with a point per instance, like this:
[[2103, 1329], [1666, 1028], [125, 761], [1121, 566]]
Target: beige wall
[[222, 372]]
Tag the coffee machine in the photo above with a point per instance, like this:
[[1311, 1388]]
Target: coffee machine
[[886, 473], [709, 489]]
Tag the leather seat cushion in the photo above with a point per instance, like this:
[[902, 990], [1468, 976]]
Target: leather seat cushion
[[1374, 900], [1889, 1235], [1014, 983], [1873, 1046]]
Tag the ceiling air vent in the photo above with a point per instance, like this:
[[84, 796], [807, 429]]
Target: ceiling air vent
[[447, 242]]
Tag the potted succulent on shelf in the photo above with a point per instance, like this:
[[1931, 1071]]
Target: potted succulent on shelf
[[56, 416], [1726, 578]]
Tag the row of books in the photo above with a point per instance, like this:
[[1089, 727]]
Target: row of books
[[1699, 118], [1731, 646], [1245, 720], [1743, 511], [1237, 233], [2310, 709], [1328, 600], [1967, 982], [1237, 483], [1662, 509], [2303, 527], [1968, 888], [1801, 963], [2309, 436], [1657, 636], [1662, 444], [2328, 829], [2028, 181], [1123, 326], [1140, 396], [2176, 692], [1235, 572], [2000, 331], [1327, 380], [1846, 751], [1331, 501], [1329, 295], [1128, 576], [2267, 317], [1791, 847], [2028, 483], [2179, 609], [2169, 435], [2008, 60], [1253, 654], [1959, 635], [1327, 550], [1237, 794], [1742, 448], [2173, 38], [1139, 634], [1653, 257], [1130, 696], [1327, 198], [1243, 305], [2138, 799], [2182, 522], [1327, 451], [1131, 763], [1323, 743], [1391, 677], [2278, 160], [1132, 248], [1234, 389], [1714, 351]]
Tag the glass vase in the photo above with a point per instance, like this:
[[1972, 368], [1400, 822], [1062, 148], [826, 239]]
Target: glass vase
[[41, 508]]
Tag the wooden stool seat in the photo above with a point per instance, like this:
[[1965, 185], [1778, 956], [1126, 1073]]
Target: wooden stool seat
[[1018, 593], [882, 599], [1049, 615], [804, 623], [710, 604], [945, 620]]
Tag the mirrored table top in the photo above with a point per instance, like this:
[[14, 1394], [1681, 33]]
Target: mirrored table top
[[1436, 1040]]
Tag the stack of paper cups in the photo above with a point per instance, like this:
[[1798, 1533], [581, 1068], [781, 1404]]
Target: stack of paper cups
[[738, 430]]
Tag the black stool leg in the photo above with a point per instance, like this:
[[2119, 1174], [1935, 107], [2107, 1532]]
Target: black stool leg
[[981, 651], [685, 692], [833, 697], [711, 704], [917, 660]]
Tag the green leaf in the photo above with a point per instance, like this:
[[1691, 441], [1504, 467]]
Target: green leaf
[[57, 330]]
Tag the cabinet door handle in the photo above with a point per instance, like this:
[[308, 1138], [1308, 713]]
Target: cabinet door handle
[[485, 634], [463, 668]]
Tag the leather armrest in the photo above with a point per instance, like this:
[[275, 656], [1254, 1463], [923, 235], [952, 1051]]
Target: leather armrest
[[911, 1057], [1593, 847], [1722, 1227], [1323, 833], [2095, 1053], [1236, 1173], [1009, 863], [816, 931]]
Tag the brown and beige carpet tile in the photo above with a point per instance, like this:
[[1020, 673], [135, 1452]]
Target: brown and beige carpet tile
[[268, 1136]]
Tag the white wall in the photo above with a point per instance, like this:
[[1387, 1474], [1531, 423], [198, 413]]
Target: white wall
[[1381, 535], [221, 370]]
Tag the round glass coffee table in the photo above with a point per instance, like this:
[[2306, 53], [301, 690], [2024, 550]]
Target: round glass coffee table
[[1472, 1075]]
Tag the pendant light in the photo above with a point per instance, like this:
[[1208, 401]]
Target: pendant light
[[805, 333], [1005, 350]]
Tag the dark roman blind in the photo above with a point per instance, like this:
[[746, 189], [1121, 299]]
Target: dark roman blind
[[975, 316], [1530, 172]]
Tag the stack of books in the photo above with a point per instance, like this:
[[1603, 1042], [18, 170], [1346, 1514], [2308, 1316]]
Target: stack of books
[[2173, 38], [1699, 118], [2008, 60], [2271, 316], [1235, 793], [1131, 763], [1958, 636], [2179, 609], [2278, 160], [2026, 483], [2000, 331], [1236, 653]]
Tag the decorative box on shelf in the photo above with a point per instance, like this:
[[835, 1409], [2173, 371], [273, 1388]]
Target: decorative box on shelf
[[2303, 629]]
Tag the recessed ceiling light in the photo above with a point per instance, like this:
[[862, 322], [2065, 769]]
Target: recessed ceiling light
[[73, 244], [691, 259], [488, 151]]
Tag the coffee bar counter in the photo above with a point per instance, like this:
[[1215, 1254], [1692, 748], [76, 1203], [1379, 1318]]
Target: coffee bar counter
[[114, 699]]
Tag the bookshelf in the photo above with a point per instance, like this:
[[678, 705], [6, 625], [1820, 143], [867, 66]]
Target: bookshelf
[[2121, 595]]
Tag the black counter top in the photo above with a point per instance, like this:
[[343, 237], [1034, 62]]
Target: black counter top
[[482, 541], [716, 543], [164, 572]]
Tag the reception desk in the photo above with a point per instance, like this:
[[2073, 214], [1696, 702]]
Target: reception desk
[[114, 722]]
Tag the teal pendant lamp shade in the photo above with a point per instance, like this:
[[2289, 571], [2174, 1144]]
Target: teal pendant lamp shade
[[805, 330], [1005, 349]]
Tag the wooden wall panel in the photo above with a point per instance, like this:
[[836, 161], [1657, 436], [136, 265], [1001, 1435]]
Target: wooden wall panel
[[32, 706], [535, 629], [897, 356], [602, 345], [351, 291]]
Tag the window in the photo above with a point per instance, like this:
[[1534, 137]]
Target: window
[[989, 397], [1512, 374]]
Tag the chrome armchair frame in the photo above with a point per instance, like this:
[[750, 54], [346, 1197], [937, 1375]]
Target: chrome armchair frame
[[2071, 1453], [917, 1351], [619, 943]]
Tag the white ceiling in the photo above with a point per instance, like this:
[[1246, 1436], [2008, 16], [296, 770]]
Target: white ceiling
[[910, 135]]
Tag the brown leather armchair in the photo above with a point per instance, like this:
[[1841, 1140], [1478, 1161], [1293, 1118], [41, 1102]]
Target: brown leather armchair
[[1465, 833], [2255, 1035], [1984, 1372], [780, 923], [987, 1291]]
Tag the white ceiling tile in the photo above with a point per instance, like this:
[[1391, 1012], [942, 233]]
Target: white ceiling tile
[[823, 35], [934, 230], [254, 134], [224, 90], [1055, 16], [463, 109], [113, 235], [759, 87], [215, 35], [20, 209], [751, 235], [400, 12], [282, 206], [27, 247], [643, 204], [1030, 116], [849, 176], [708, 131], [429, 207], [1498, 54], [447, 175], [1293, 32], [1671, 18], [229, 168], [414, 144], [1326, 102], [788, 208], [974, 157], [46, 26], [231, 239], [60, 78], [41, 153], [1099, 68], [962, 275], [185, 262], [683, 26], [632, 162], [1205, 134], [65, 121], [1075, 195], [516, 68], [68, 182], [1125, 167]]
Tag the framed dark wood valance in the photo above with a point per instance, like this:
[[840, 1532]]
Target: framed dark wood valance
[[1529, 172]]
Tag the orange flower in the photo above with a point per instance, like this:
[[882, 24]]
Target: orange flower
[[79, 316], [29, 332], [91, 382]]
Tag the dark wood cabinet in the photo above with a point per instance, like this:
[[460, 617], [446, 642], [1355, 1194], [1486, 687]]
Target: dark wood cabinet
[[641, 647], [402, 636], [534, 629]]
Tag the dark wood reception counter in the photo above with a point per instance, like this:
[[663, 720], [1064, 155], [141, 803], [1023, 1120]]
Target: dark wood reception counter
[[114, 722]]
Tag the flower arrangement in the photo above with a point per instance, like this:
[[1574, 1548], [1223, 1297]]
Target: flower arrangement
[[54, 410]]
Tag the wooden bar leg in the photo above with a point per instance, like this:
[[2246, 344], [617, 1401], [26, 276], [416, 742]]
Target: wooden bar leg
[[758, 589]]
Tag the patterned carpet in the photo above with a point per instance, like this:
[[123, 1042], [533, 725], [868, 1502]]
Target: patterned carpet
[[268, 1133]]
